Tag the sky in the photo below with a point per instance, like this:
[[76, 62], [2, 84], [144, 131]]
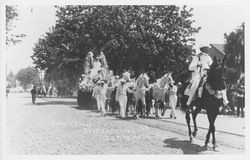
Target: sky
[[35, 21]]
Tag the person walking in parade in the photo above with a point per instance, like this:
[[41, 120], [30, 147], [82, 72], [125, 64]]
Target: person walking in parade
[[172, 93], [100, 95], [33, 94], [121, 96], [95, 94]]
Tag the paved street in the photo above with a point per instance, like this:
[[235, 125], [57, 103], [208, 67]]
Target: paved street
[[59, 126]]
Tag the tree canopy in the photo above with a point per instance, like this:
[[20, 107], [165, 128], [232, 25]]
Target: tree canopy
[[27, 76], [150, 38], [11, 80], [234, 48], [235, 51], [11, 16]]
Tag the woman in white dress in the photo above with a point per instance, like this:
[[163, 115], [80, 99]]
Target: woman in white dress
[[172, 92], [96, 68]]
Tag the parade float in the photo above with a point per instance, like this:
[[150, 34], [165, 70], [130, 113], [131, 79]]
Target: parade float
[[95, 69]]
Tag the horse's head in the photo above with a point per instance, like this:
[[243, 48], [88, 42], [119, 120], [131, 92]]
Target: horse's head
[[216, 75], [143, 80], [166, 79]]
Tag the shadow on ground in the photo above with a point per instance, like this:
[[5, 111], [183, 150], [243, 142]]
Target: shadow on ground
[[186, 146], [56, 103]]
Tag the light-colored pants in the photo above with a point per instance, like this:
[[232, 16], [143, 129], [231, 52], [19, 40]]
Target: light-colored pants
[[191, 91], [172, 104], [123, 104], [101, 104]]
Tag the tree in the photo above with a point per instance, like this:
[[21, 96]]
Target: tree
[[234, 48], [11, 16], [27, 76], [131, 37], [11, 80]]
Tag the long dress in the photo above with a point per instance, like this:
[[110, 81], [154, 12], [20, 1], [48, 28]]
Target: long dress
[[172, 99], [95, 69]]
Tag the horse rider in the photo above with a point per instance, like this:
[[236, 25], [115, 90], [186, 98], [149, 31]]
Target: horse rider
[[199, 66]]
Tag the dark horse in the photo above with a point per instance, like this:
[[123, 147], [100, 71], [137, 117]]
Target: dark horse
[[215, 79]]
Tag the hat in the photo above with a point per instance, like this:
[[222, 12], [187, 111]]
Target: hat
[[203, 46], [126, 76], [98, 82], [122, 80], [117, 77], [102, 82]]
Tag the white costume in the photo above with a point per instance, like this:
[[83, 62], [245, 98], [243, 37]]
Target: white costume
[[121, 97], [199, 66], [95, 69], [100, 95], [172, 99]]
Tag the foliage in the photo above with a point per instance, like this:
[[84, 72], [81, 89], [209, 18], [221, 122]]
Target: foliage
[[11, 80], [151, 38], [235, 52], [27, 76], [234, 48], [11, 16]]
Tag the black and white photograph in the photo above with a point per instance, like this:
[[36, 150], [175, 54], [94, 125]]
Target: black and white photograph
[[124, 79]]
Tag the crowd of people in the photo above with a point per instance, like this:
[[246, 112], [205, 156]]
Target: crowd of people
[[112, 92], [102, 83]]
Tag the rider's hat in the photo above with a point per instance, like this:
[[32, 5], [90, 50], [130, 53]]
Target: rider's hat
[[203, 47]]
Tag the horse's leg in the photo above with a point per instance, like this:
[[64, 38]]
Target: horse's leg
[[194, 115], [143, 100], [148, 106], [156, 108], [188, 123], [211, 118], [208, 136], [242, 112], [164, 108], [127, 107], [213, 129], [136, 109]]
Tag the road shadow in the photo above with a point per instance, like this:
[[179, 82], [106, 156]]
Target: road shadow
[[86, 106], [56, 103], [186, 146]]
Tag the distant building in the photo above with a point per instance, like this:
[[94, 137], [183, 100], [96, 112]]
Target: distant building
[[217, 50]]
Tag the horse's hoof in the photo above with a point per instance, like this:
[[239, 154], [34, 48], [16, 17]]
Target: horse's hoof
[[214, 147], [136, 117], [194, 134], [205, 147]]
